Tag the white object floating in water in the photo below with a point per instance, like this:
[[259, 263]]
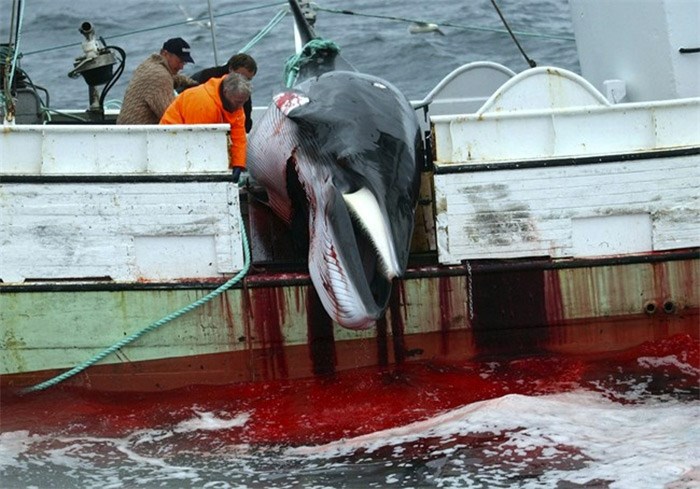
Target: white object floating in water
[[424, 27]]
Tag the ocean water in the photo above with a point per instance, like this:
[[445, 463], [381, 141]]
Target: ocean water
[[374, 44], [629, 421]]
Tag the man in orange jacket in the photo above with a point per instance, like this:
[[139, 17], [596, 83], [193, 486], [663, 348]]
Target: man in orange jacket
[[219, 100]]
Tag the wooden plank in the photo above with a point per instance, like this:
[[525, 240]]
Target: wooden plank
[[68, 231], [529, 212], [520, 134], [104, 149]]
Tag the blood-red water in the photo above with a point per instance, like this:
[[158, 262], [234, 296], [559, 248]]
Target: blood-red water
[[324, 409]]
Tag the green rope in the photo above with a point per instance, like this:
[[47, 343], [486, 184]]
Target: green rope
[[265, 30], [308, 52], [153, 326]]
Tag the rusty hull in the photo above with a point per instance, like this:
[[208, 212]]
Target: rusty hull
[[275, 328]]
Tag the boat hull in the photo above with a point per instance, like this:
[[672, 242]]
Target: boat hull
[[273, 327], [549, 221]]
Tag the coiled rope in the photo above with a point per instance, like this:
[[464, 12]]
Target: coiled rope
[[311, 49], [153, 326]]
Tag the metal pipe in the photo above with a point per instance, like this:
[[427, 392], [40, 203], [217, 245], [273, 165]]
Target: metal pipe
[[87, 30], [669, 306], [650, 307], [213, 35]]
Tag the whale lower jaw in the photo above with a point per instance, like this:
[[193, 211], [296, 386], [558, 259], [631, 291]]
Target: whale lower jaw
[[345, 291], [343, 305]]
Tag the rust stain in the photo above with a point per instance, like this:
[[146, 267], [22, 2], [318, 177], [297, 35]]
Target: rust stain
[[397, 327], [690, 286], [403, 298], [184, 280], [661, 285], [228, 319], [382, 342], [248, 330], [553, 297], [298, 299], [445, 301]]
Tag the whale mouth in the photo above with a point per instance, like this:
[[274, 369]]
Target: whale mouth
[[352, 257], [370, 223]]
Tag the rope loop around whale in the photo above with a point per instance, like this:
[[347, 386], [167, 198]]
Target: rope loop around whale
[[312, 49]]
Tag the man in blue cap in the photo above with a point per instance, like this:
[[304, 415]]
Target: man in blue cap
[[179, 47], [152, 87]]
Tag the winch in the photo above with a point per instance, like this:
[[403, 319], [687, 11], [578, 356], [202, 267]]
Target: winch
[[95, 65]]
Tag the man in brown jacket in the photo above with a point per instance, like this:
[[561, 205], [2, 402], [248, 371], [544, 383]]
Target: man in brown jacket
[[151, 89]]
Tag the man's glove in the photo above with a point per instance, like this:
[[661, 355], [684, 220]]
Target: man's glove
[[236, 173]]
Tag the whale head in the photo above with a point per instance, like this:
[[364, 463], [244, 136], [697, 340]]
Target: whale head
[[339, 154]]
